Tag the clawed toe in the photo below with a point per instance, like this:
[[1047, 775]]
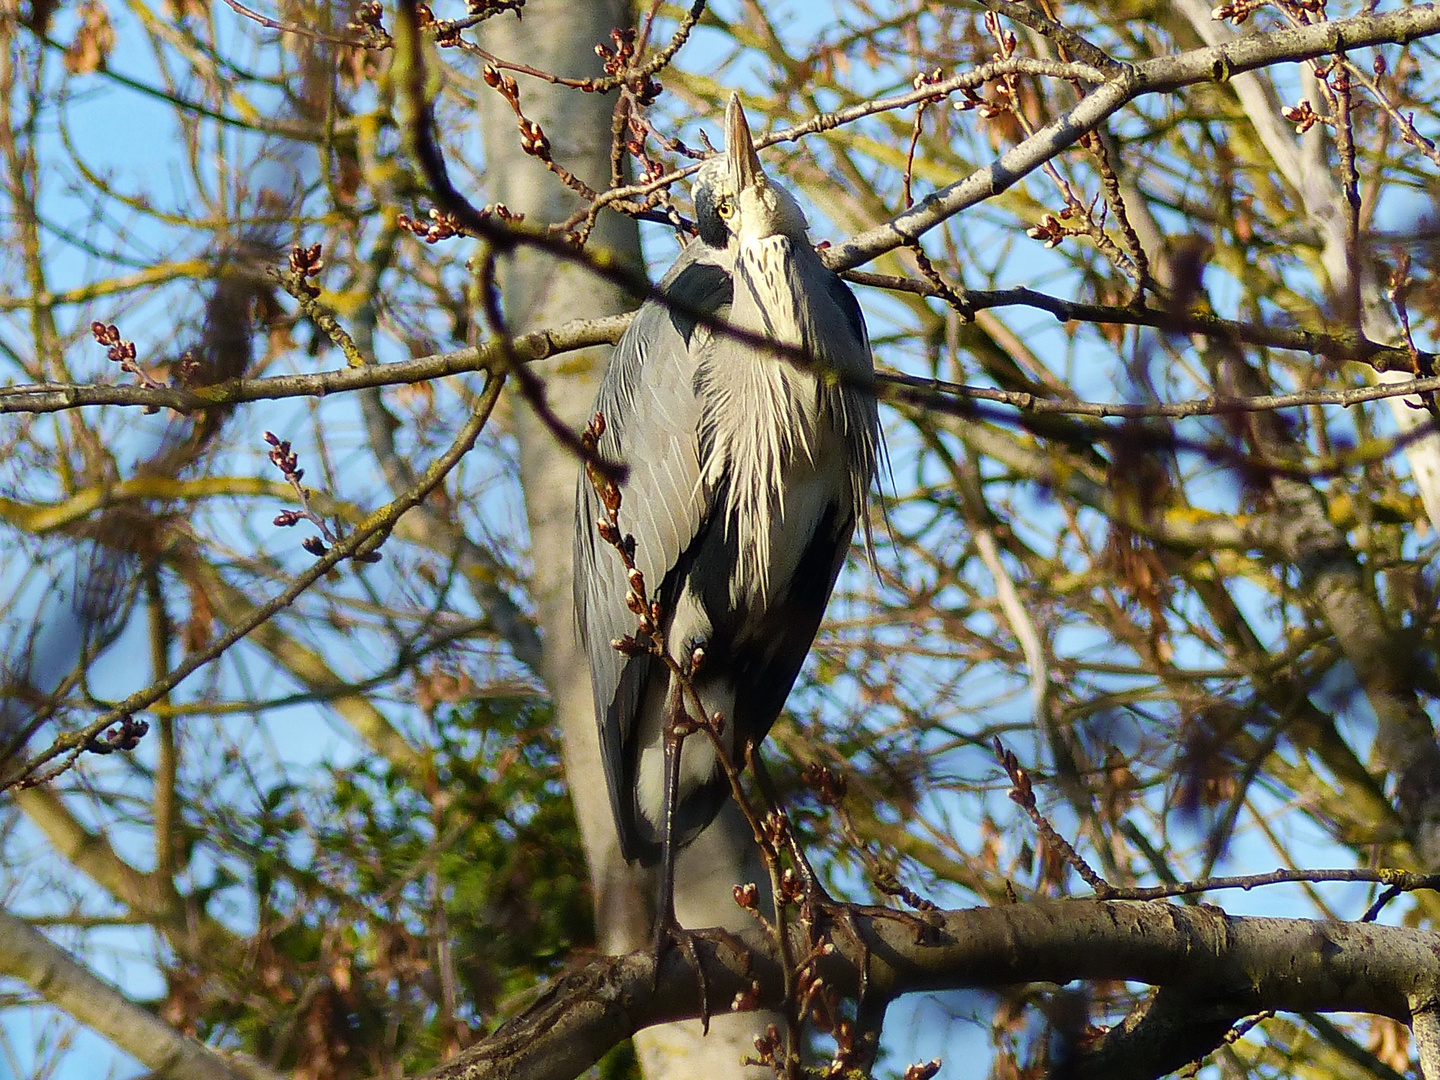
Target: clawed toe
[[669, 934]]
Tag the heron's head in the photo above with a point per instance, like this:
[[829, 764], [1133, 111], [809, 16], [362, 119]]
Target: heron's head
[[734, 200]]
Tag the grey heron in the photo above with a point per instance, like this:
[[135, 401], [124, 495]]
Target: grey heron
[[747, 473]]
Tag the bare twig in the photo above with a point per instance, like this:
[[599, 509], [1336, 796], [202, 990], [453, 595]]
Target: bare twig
[[1160, 75], [366, 538], [1022, 793]]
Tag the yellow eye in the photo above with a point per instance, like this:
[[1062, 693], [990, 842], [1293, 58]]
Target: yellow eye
[[725, 208]]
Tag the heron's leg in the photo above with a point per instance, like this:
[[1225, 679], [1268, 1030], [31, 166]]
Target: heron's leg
[[668, 930], [671, 745]]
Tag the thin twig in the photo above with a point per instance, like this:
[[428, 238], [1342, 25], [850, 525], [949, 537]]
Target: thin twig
[[368, 536], [1022, 793]]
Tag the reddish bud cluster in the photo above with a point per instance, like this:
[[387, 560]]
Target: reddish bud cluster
[[923, 1070], [124, 736], [288, 462], [306, 263], [533, 140], [1052, 229], [445, 33], [488, 8], [629, 646], [617, 60], [121, 351], [1022, 791], [1006, 38], [792, 889], [829, 786], [746, 1000], [969, 99], [188, 367], [532, 136], [1236, 13], [768, 1045], [772, 830], [1241, 10], [365, 20], [442, 226], [922, 79], [847, 1049], [284, 458], [1303, 116]]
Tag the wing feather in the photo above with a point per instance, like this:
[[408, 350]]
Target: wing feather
[[652, 417]]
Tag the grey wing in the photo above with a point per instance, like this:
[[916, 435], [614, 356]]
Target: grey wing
[[856, 404], [652, 418]]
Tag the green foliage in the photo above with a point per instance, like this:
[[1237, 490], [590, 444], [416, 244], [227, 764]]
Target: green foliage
[[402, 914]]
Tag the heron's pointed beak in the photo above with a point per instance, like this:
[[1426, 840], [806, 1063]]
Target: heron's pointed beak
[[745, 170]]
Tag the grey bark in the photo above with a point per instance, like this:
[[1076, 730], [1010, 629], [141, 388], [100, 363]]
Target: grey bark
[[559, 36], [1425, 1028], [1210, 968], [30, 956]]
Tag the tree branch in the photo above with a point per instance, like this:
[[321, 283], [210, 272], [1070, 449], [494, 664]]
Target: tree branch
[[1161, 75], [50, 397], [30, 956], [1425, 1029], [366, 537], [1235, 966]]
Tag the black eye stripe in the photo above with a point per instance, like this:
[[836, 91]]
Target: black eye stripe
[[712, 228]]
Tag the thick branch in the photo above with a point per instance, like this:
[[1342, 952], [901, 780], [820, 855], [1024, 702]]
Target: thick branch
[[43, 398], [30, 956], [1161, 75], [1167, 1032], [527, 347], [1425, 1027], [1226, 966]]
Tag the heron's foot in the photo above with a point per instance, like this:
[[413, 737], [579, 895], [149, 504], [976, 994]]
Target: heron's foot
[[669, 934]]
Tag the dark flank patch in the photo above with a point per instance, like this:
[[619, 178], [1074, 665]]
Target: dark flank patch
[[845, 300], [701, 287]]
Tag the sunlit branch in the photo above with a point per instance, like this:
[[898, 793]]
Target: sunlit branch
[[29, 955], [52, 397], [1161, 75], [365, 538], [1237, 965]]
